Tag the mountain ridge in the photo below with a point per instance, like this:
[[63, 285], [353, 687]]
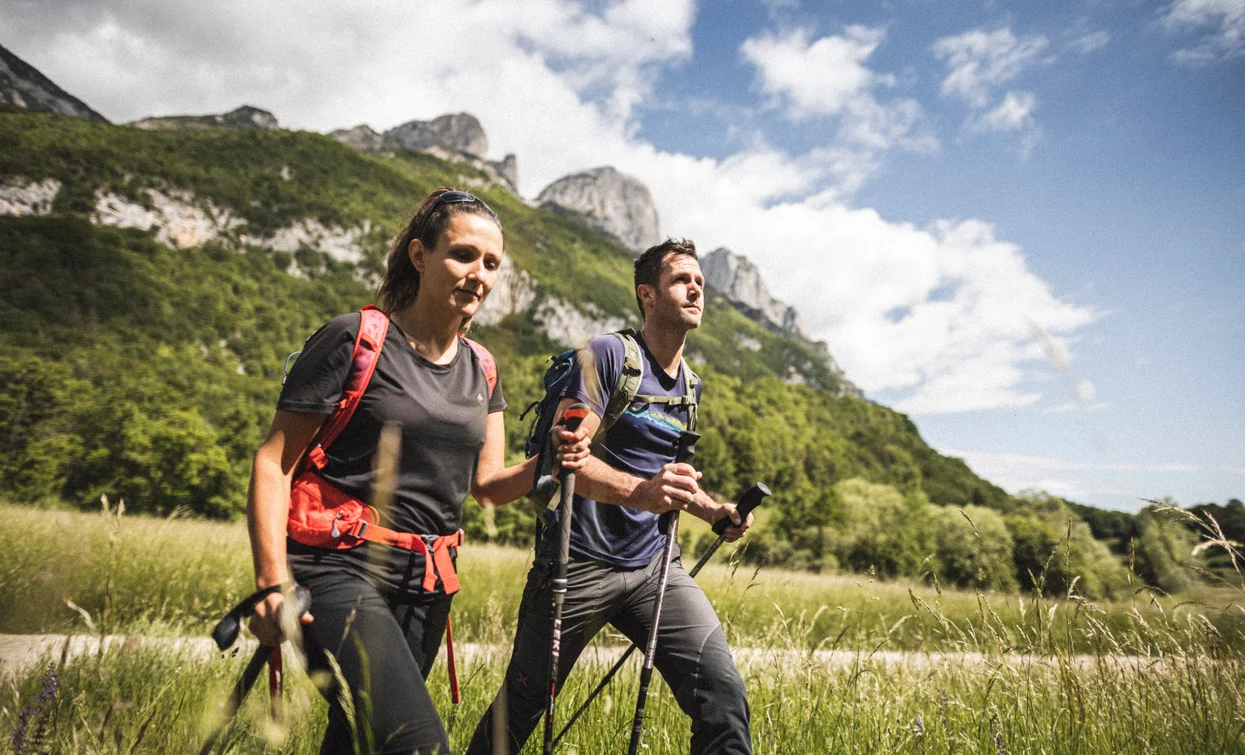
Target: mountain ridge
[[23, 86]]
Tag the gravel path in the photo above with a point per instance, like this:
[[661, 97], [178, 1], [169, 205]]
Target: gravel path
[[20, 651]]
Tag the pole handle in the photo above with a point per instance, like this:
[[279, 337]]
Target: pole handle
[[227, 629], [684, 452], [751, 498], [571, 418]]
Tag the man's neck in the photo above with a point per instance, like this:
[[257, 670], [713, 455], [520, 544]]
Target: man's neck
[[666, 345]]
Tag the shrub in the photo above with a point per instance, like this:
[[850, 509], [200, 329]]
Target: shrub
[[881, 529]]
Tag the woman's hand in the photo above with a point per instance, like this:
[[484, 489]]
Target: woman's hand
[[268, 622], [571, 449]]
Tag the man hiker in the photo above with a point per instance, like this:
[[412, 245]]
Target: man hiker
[[615, 545]]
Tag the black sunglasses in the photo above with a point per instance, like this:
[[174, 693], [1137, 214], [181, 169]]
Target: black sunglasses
[[450, 197]]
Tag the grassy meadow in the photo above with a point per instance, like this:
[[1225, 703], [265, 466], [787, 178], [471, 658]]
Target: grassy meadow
[[1016, 674]]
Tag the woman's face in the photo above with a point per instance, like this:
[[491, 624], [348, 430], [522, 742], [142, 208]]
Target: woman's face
[[459, 272]]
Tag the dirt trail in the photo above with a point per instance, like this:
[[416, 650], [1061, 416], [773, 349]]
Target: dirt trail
[[20, 651]]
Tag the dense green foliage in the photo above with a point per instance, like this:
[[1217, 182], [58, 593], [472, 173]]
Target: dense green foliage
[[147, 372]]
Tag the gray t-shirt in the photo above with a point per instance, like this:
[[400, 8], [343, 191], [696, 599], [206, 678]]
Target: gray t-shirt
[[441, 410]]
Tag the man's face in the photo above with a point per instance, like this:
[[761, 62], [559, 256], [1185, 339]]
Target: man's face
[[678, 300]]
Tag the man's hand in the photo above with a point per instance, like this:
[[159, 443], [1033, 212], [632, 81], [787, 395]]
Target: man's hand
[[571, 449], [265, 623], [737, 528], [672, 489]]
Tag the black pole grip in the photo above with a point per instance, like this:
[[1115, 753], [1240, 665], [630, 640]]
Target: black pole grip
[[227, 629], [751, 498], [684, 452], [685, 447]]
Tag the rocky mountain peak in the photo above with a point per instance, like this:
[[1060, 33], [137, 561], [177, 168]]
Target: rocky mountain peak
[[21, 85], [456, 138], [612, 202], [736, 278], [362, 137], [246, 116], [459, 131]]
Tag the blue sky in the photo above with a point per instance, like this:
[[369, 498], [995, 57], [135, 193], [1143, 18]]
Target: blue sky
[[1023, 224]]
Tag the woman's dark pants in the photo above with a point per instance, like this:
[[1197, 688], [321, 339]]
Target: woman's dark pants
[[384, 648]]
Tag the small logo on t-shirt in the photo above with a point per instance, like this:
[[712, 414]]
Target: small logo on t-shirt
[[479, 397]]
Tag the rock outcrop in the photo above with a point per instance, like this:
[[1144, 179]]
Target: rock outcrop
[[736, 278], [244, 117], [509, 170], [21, 85], [19, 196], [614, 203], [460, 131], [362, 137], [455, 138]]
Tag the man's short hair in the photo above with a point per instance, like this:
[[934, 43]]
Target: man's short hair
[[648, 266]]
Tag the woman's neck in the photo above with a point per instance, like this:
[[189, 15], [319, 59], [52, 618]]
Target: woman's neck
[[432, 333]]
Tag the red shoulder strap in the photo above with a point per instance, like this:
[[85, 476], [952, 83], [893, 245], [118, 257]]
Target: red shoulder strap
[[487, 363], [373, 325]]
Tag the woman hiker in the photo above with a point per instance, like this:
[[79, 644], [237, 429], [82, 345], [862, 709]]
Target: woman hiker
[[382, 582]]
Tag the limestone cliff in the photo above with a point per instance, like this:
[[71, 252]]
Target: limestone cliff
[[736, 278], [612, 202], [460, 131]]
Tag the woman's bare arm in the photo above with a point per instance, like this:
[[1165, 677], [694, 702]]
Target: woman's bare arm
[[268, 508], [496, 484]]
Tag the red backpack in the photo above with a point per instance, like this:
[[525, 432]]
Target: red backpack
[[324, 517]]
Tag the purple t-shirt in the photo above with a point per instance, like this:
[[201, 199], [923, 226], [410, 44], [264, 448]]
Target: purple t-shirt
[[640, 443]]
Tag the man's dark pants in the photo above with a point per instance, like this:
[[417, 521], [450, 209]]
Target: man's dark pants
[[692, 655]]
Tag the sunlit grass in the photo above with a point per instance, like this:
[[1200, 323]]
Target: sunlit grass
[[177, 577], [998, 673]]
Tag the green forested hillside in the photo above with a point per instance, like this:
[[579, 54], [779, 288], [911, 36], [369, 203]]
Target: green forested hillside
[[148, 372]]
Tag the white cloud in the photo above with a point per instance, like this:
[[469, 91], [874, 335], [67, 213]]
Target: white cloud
[[557, 85], [828, 77], [1076, 406], [1226, 36], [1100, 482], [1092, 42], [817, 77], [979, 62], [1012, 114]]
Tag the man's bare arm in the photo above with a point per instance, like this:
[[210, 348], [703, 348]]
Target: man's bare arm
[[674, 487]]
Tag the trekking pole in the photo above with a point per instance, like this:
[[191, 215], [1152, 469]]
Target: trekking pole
[[751, 498], [226, 633], [573, 415], [685, 449]]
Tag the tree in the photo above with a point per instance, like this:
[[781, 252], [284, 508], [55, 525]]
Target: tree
[[974, 548], [1164, 551], [882, 529], [1054, 549]]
